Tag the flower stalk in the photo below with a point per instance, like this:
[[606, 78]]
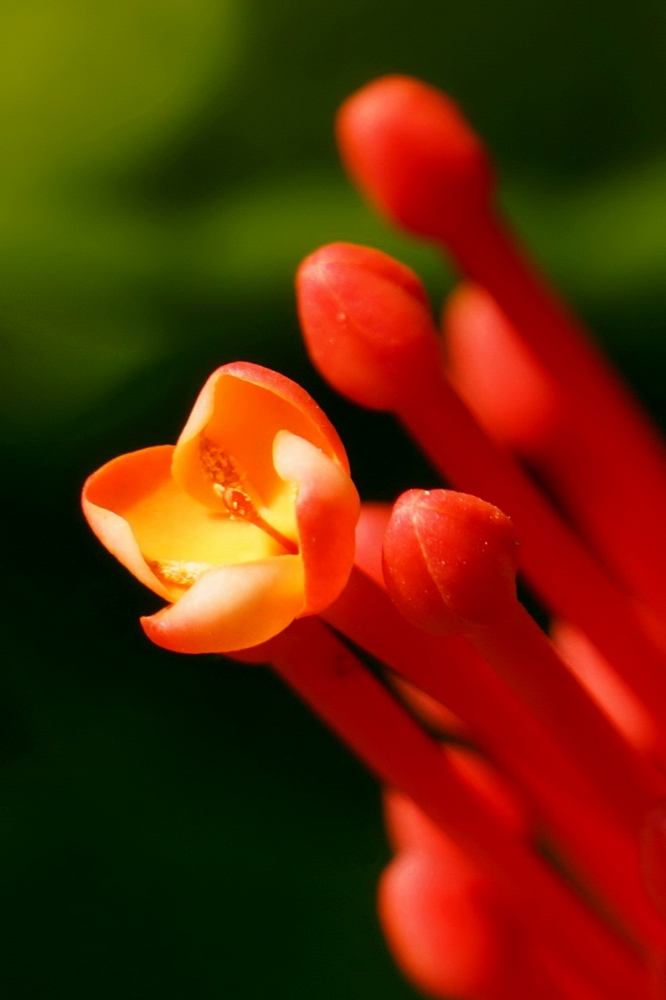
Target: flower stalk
[[595, 843], [369, 720]]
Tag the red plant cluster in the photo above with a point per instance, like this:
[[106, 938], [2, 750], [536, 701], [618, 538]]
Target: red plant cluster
[[527, 774]]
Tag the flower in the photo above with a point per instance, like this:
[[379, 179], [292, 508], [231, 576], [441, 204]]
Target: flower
[[243, 526]]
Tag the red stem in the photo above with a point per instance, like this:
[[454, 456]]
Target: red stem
[[525, 659], [450, 670], [362, 712], [610, 424]]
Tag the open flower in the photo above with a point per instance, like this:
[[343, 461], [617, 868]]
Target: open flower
[[243, 526]]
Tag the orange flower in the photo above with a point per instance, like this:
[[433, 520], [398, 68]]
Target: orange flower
[[243, 526]]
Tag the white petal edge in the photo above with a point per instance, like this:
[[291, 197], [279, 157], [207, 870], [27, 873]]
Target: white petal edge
[[232, 607]]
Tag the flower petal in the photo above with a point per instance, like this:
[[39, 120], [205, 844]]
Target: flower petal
[[327, 509], [231, 607], [114, 489], [238, 412], [280, 386]]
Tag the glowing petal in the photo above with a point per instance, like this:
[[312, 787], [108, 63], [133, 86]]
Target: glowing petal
[[327, 509], [239, 411], [231, 607], [113, 490]]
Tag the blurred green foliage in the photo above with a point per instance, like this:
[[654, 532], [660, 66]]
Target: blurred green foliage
[[182, 828]]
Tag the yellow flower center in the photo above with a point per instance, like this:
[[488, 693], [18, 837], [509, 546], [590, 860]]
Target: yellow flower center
[[231, 487], [209, 533]]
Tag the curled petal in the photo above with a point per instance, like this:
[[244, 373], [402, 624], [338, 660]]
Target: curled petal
[[323, 433], [280, 386], [241, 408], [114, 489], [327, 509], [231, 607]]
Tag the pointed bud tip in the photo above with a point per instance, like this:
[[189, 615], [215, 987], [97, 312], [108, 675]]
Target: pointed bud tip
[[450, 561], [367, 323], [409, 148]]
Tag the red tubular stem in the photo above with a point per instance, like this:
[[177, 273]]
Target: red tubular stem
[[610, 422], [562, 981], [556, 563], [450, 670], [520, 403], [484, 249], [369, 720], [566, 979], [525, 659]]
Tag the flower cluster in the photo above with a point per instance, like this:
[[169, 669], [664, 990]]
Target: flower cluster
[[526, 779]]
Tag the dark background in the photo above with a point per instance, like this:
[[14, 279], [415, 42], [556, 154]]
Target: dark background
[[181, 827]]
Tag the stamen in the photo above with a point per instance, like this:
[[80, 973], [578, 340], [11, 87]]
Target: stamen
[[178, 572], [229, 484], [235, 500], [219, 466]]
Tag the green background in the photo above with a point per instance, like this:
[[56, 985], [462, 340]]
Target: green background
[[181, 827]]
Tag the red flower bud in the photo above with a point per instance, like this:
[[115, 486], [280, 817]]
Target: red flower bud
[[367, 323], [411, 151], [450, 560]]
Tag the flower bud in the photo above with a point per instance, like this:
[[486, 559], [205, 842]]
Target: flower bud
[[367, 324], [450, 561], [411, 151]]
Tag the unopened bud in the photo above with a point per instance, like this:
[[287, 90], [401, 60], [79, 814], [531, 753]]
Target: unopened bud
[[367, 324], [450, 561], [410, 150]]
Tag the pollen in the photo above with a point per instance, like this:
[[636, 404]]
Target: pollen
[[230, 485], [219, 466], [177, 572]]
